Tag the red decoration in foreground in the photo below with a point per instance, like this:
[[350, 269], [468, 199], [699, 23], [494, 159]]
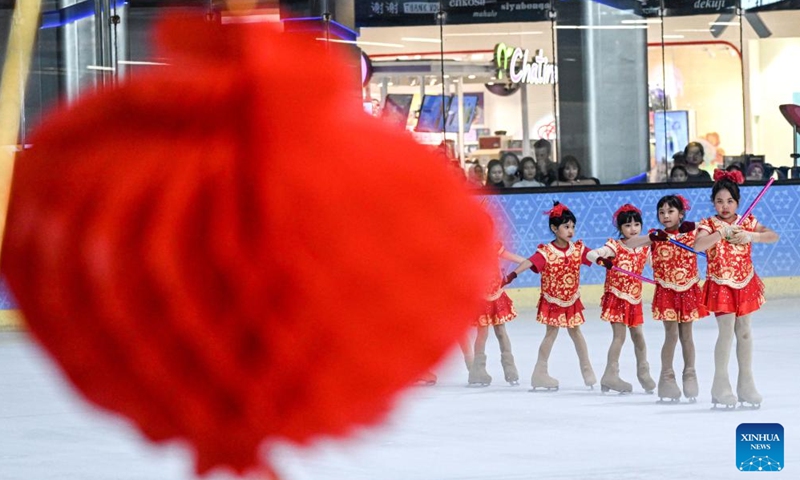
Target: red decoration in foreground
[[228, 250]]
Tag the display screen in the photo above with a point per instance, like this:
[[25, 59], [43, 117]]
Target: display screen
[[470, 104], [396, 107], [674, 137], [430, 114]]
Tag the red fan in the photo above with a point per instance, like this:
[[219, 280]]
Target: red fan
[[226, 262]]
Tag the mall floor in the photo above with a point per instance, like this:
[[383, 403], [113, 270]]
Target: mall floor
[[447, 431]]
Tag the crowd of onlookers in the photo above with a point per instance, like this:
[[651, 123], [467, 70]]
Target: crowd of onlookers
[[686, 167], [509, 171]]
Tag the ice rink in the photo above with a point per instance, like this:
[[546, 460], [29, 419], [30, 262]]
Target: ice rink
[[449, 431]]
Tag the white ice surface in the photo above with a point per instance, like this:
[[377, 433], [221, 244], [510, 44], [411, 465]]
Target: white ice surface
[[449, 431]]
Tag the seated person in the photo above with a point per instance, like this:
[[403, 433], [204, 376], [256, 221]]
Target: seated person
[[678, 174], [569, 173], [528, 168], [695, 156], [755, 172]]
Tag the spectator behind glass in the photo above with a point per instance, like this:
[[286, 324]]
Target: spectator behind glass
[[755, 172], [511, 170], [694, 153], [678, 174], [679, 159], [546, 169], [569, 173], [494, 177], [476, 175], [735, 166], [528, 167]]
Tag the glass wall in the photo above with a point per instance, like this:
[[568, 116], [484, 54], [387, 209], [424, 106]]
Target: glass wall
[[636, 83], [619, 88]]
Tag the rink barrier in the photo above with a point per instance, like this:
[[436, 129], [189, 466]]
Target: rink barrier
[[523, 226]]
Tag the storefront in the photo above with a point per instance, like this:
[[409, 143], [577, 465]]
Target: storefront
[[631, 85]]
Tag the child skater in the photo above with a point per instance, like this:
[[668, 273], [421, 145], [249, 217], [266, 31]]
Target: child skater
[[677, 300], [732, 290], [559, 263], [622, 299], [497, 312]]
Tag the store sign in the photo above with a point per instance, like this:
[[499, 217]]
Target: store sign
[[516, 64], [386, 13], [688, 7]]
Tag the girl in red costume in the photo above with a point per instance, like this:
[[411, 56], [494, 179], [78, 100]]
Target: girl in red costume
[[677, 299], [622, 299], [559, 263], [497, 311], [732, 290]]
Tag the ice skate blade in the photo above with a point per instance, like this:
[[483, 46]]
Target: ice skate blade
[[724, 406], [748, 406], [477, 385], [606, 389], [543, 389], [514, 383], [668, 401], [692, 399]]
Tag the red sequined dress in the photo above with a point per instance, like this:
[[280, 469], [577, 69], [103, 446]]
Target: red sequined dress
[[677, 297], [498, 308], [622, 296], [732, 285], [560, 304]]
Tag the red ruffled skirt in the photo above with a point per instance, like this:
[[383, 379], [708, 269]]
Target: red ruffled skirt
[[617, 310], [558, 316], [723, 299], [497, 312], [672, 306]]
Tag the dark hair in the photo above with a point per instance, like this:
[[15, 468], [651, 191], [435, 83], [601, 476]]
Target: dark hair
[[672, 201], [542, 143], [522, 166], [725, 184], [566, 217], [627, 217], [678, 168], [506, 155], [735, 166], [492, 163], [678, 158], [566, 161], [694, 144]]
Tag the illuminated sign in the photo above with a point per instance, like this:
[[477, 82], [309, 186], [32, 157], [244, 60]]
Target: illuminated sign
[[518, 65]]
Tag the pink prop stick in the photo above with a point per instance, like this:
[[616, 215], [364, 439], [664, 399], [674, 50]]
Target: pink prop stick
[[634, 275], [758, 198]]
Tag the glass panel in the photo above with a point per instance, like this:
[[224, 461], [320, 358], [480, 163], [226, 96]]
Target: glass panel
[[695, 83]]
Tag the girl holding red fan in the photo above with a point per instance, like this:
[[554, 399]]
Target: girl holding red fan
[[622, 299], [559, 264], [732, 290]]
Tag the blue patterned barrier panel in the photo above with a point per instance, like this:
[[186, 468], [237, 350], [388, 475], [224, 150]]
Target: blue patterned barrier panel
[[525, 226]]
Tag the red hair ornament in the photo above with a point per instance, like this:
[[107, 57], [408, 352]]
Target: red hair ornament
[[557, 211], [624, 209], [734, 176], [184, 273], [685, 202]]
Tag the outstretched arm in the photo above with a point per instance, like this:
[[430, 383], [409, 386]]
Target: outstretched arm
[[762, 234], [522, 262], [603, 251]]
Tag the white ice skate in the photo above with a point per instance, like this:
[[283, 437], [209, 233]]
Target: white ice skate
[[541, 381], [668, 390]]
